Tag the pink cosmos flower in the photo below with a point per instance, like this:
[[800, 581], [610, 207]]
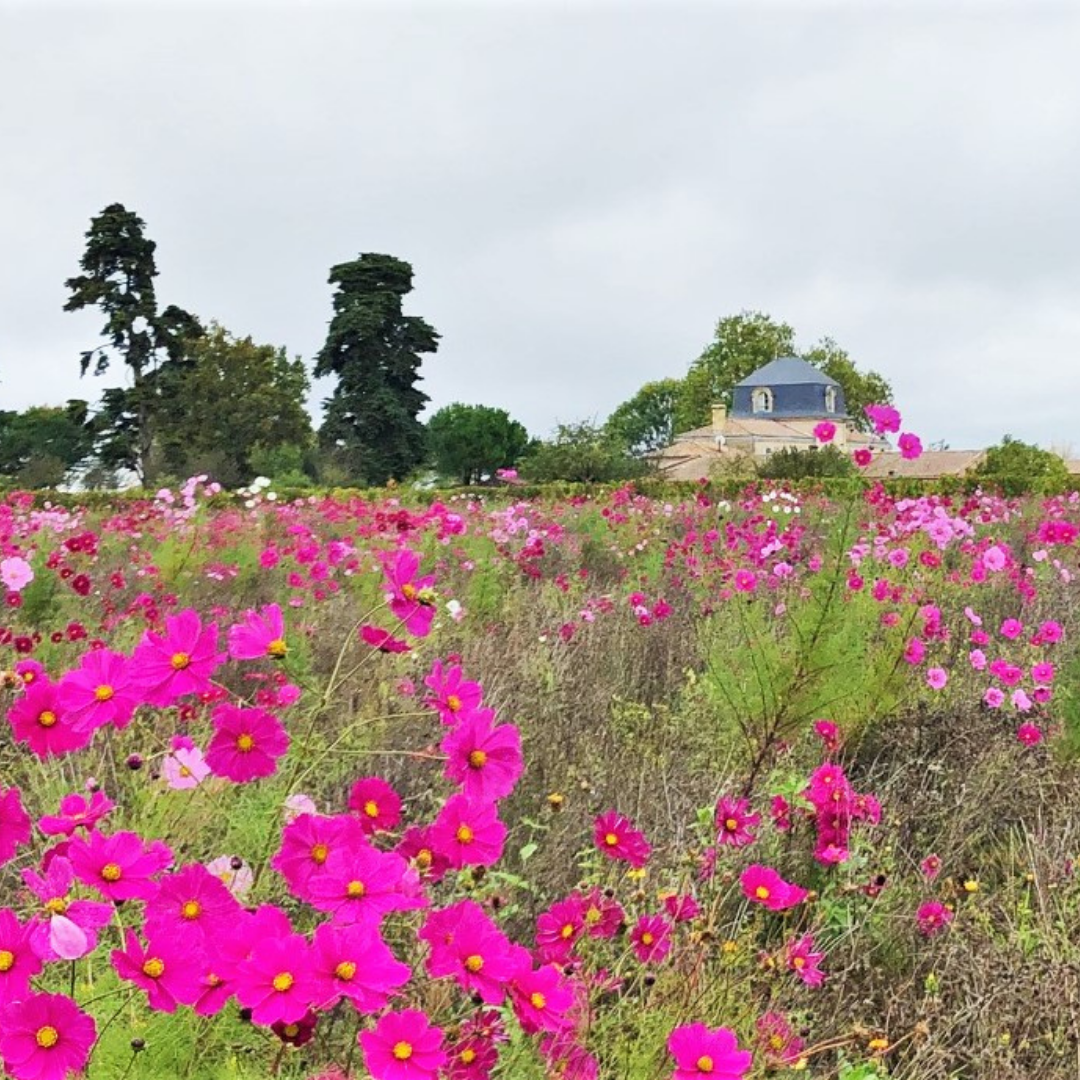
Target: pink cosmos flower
[[829, 734], [977, 659], [15, 827], [825, 432], [1049, 633], [541, 998], [15, 573], [184, 768], [993, 697], [801, 958], [418, 847], [467, 946], [734, 822], [862, 457], [915, 652], [936, 678], [412, 598], [67, 928], [681, 908], [559, 928], [119, 866], [1021, 701], [100, 691], [76, 812], [18, 961], [1029, 734], [779, 1043], [37, 720], [701, 1051], [179, 662], [468, 833], [383, 640], [651, 938], [1012, 629], [45, 1037], [262, 633], [603, 915], [246, 743], [484, 759], [617, 838], [167, 969], [403, 1046], [745, 581], [765, 886], [191, 905], [235, 874], [277, 981], [1042, 673], [995, 558], [307, 842], [931, 866], [885, 418], [376, 804], [910, 446], [452, 694], [933, 917], [354, 962], [359, 883]]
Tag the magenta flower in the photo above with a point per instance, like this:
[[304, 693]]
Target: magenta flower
[[191, 905], [862, 457], [376, 804], [306, 844], [76, 812], [1012, 629], [167, 969], [362, 884], [484, 759], [383, 640], [933, 917], [936, 678], [67, 928], [734, 822], [885, 418], [412, 598], [468, 833], [681, 908], [354, 962], [910, 446], [262, 633], [825, 432], [100, 691], [37, 720], [541, 998], [779, 1043], [120, 866], [467, 946], [277, 981], [18, 961], [403, 1046], [765, 886], [802, 959], [1042, 673], [418, 847], [558, 928], [1029, 734], [617, 838], [179, 662], [930, 866], [45, 1037], [246, 743], [452, 694], [15, 827], [651, 938], [701, 1051]]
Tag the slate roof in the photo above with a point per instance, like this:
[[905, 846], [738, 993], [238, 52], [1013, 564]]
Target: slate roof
[[787, 371]]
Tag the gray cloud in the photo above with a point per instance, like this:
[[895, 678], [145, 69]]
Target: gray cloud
[[582, 190]]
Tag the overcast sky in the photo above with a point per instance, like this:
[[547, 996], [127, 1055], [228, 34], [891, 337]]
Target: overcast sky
[[582, 189]]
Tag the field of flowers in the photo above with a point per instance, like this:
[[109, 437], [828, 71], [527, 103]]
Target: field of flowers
[[602, 786]]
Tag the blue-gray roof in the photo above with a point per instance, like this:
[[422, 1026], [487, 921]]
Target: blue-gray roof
[[787, 371]]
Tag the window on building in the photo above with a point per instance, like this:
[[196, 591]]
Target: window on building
[[830, 399], [763, 400]]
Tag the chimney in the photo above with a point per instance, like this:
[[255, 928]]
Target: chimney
[[719, 418]]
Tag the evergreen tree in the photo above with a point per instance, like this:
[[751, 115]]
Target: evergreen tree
[[118, 277], [468, 442], [375, 351]]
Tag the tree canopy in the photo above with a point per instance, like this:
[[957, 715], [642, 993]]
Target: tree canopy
[[40, 445], [583, 453], [468, 442], [1017, 467]]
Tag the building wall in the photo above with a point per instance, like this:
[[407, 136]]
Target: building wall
[[807, 399]]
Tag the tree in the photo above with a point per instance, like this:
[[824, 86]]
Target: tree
[[583, 453], [118, 277], [860, 388], [228, 401], [792, 464], [648, 420], [468, 442], [1018, 468], [39, 446], [375, 351]]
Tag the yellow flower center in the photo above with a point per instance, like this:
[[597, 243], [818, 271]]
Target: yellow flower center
[[47, 718], [185, 772], [593, 916], [704, 1064], [354, 890], [776, 1042], [103, 693], [345, 970], [477, 759], [180, 660], [464, 834], [731, 825], [277, 648], [57, 905], [47, 1037], [7, 960], [537, 1000], [292, 1030], [611, 839], [761, 892], [647, 938], [453, 702], [402, 1051], [408, 590], [423, 858], [467, 1056], [319, 854], [474, 963], [371, 808], [245, 743], [567, 931], [111, 872], [191, 910], [799, 963], [283, 982], [154, 968], [213, 980]]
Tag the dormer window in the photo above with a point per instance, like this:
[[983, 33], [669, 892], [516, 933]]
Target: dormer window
[[763, 400], [830, 399]]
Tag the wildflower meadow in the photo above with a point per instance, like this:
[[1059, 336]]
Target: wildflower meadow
[[592, 785]]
